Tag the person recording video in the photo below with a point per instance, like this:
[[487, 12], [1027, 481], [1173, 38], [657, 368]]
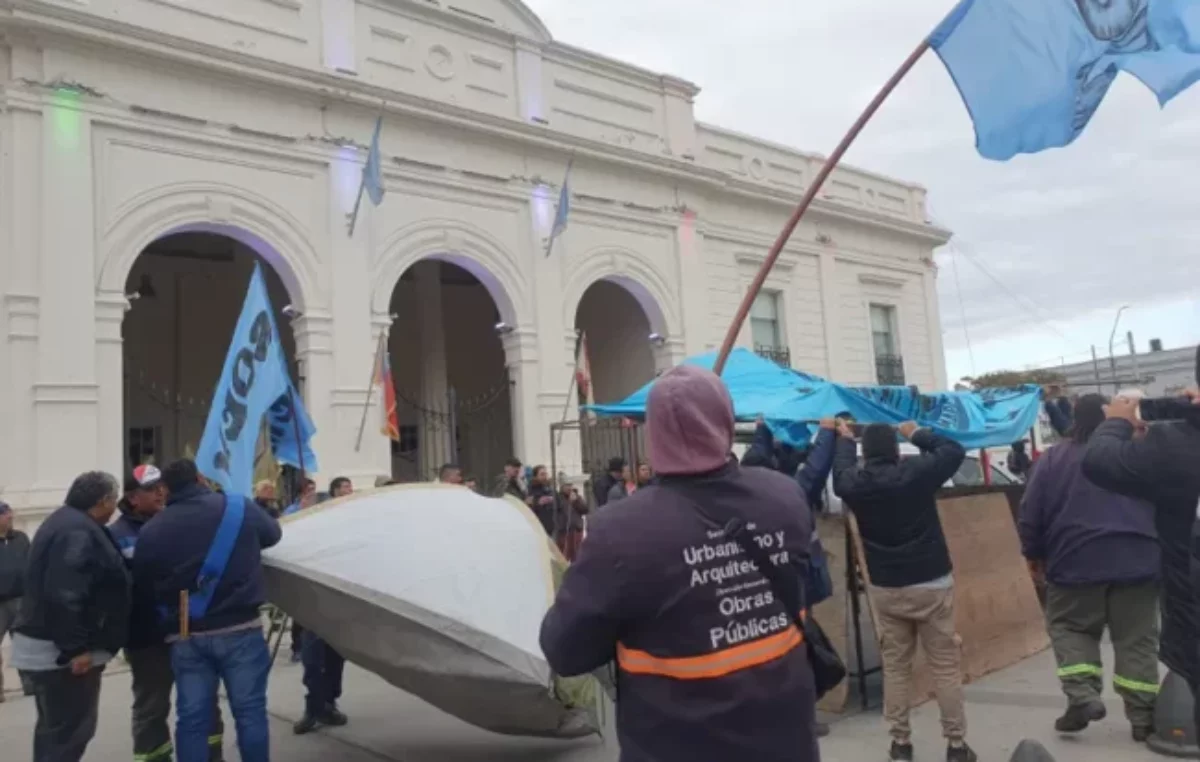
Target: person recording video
[[1161, 467]]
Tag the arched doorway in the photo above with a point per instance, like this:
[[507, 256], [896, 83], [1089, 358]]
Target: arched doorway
[[452, 385], [186, 292], [621, 340]]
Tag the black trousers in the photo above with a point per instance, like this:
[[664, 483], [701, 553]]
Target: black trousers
[[323, 668], [67, 707]]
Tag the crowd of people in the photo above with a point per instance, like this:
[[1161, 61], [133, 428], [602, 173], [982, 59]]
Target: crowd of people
[[175, 583], [706, 610], [711, 664]]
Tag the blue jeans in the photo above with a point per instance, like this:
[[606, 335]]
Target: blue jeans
[[242, 661]]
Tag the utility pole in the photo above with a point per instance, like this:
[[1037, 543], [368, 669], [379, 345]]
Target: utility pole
[[1137, 373], [1096, 370]]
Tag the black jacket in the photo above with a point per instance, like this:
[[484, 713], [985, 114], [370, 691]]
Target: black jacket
[[14, 554], [171, 549], [602, 485], [895, 504], [77, 590], [145, 627], [1162, 468]]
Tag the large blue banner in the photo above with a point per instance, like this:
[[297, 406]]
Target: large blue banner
[[254, 383], [790, 401]]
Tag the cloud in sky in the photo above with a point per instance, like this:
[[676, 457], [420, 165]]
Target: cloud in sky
[[1073, 233]]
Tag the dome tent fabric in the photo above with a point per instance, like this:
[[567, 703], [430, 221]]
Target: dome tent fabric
[[441, 592]]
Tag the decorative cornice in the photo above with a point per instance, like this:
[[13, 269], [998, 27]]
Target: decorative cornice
[[84, 28]]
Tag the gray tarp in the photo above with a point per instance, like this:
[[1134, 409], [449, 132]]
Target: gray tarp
[[440, 592]]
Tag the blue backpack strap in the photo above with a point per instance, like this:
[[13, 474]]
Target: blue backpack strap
[[218, 556]]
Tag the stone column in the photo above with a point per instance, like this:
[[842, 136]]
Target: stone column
[[531, 420], [693, 290], [313, 332], [829, 316], [933, 327], [65, 394], [349, 292], [434, 434], [111, 307]]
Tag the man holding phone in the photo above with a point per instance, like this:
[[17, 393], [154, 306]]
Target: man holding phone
[[1161, 467]]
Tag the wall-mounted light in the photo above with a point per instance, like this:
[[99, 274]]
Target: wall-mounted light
[[291, 312], [657, 339], [503, 329]]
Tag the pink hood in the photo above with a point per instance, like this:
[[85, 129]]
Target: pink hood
[[689, 422]]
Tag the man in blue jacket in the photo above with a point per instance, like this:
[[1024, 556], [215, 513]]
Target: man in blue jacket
[[148, 653], [210, 546]]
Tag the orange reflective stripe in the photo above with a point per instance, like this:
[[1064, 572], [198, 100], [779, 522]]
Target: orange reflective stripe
[[718, 664]]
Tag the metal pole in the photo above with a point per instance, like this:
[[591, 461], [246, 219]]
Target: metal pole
[[571, 386], [1133, 355], [810, 195], [452, 399], [1112, 360], [1096, 369], [362, 425]]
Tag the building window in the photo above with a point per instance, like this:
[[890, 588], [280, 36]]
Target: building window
[[765, 328], [885, 341], [143, 444]]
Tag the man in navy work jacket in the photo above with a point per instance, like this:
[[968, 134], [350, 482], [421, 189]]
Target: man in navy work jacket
[[201, 529], [148, 653], [712, 666]]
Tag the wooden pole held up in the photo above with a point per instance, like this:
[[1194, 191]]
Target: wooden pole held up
[[809, 196]]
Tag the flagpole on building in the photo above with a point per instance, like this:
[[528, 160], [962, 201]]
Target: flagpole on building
[[813, 189], [362, 426], [554, 231], [574, 381]]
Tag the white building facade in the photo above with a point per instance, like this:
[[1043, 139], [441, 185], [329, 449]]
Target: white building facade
[[152, 150]]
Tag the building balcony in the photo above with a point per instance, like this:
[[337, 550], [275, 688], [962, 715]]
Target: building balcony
[[889, 370], [779, 355]]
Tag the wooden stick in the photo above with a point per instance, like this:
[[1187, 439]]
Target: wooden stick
[[380, 348], [810, 195], [184, 618]]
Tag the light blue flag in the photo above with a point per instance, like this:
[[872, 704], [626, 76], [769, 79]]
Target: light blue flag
[[372, 181], [292, 431], [563, 213], [1033, 72], [252, 381]]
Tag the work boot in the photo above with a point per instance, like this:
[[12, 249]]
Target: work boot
[[1079, 716], [1142, 733], [306, 725], [901, 752], [332, 717], [961, 753]]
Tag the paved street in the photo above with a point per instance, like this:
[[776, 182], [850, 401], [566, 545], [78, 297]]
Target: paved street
[[389, 725]]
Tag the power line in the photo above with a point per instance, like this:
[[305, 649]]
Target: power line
[[1023, 302], [963, 312]]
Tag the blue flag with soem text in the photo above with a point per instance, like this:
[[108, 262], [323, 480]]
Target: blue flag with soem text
[[1032, 73], [254, 383]]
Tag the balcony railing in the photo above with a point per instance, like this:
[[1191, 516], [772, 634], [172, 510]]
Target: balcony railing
[[889, 370], [779, 355]]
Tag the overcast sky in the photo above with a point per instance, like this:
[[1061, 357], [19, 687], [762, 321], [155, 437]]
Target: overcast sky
[[1068, 236]]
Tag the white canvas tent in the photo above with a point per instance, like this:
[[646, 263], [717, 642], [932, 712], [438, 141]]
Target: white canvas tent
[[441, 592]]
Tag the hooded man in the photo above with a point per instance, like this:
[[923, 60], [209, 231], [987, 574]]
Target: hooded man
[[711, 663], [147, 651]]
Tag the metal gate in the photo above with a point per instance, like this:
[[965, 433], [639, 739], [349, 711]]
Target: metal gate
[[600, 441], [473, 432]]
